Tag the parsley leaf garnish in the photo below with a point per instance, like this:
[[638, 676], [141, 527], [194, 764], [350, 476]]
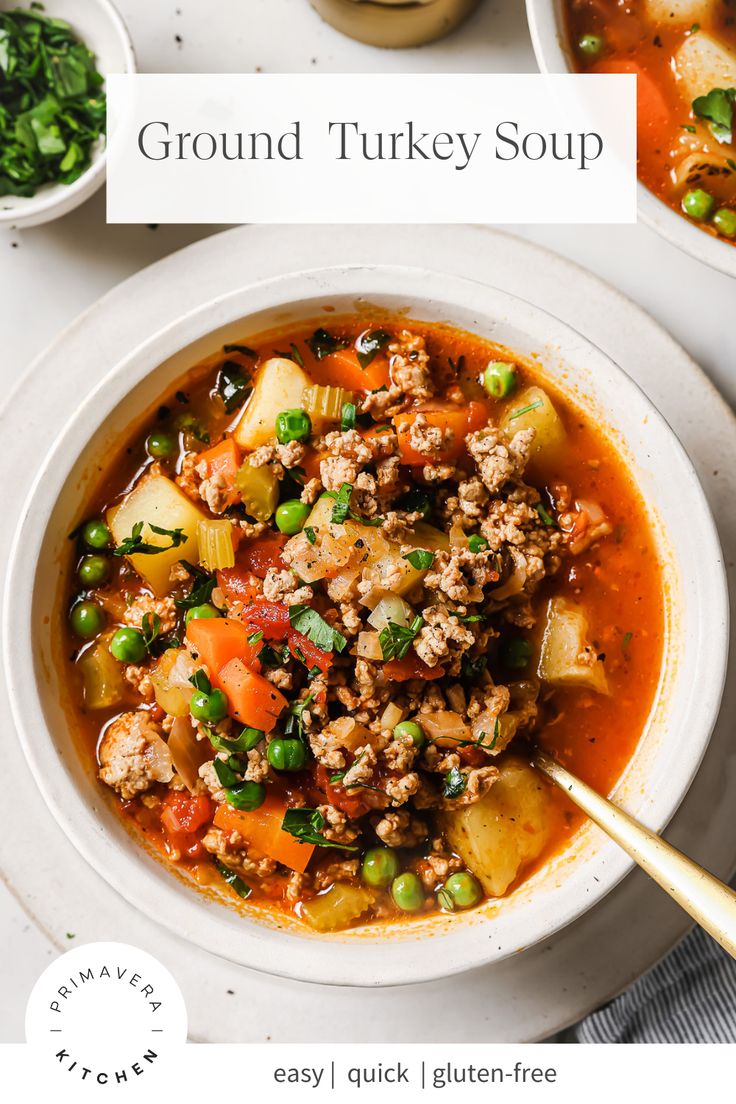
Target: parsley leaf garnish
[[718, 109], [233, 880], [292, 354], [322, 343], [232, 386], [308, 622], [420, 559], [396, 640], [526, 409], [244, 350], [455, 783], [202, 587], [134, 545], [369, 346], [309, 533], [341, 510], [544, 515], [306, 825]]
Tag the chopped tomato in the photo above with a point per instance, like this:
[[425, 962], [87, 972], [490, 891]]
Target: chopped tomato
[[218, 640], [350, 803], [272, 618], [458, 421], [411, 667], [256, 556], [262, 828], [252, 699], [182, 819]]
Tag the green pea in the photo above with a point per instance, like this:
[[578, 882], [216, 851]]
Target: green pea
[[516, 653], [246, 795], [407, 892], [724, 221], [380, 866], [477, 543], [590, 46], [464, 889], [291, 515], [292, 425], [87, 620], [210, 708], [94, 570], [200, 613], [128, 646], [698, 204], [286, 755], [160, 445], [410, 728], [499, 379], [96, 534]]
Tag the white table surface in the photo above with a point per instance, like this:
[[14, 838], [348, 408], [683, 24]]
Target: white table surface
[[50, 274]]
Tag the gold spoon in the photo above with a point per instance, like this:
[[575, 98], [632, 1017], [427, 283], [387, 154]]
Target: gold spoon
[[709, 901]]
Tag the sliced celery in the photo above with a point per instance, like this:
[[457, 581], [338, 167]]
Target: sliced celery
[[259, 490], [324, 404], [216, 544], [102, 677]]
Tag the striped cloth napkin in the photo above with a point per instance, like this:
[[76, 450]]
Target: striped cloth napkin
[[690, 997]]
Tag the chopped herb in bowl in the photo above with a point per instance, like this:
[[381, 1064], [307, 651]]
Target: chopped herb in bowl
[[52, 107]]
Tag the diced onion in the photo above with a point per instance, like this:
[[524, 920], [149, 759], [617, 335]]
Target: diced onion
[[187, 752], [390, 608], [391, 716], [368, 646], [215, 540], [170, 678], [458, 537], [259, 490], [445, 728], [101, 677]]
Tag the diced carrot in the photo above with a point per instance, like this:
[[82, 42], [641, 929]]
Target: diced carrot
[[343, 369], [411, 667], [459, 420], [218, 640], [223, 460], [252, 699], [262, 828], [311, 463]]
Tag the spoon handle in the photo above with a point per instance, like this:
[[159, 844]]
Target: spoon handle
[[709, 901]]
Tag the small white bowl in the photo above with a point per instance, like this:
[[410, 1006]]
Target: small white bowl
[[666, 759], [99, 25], [552, 51]]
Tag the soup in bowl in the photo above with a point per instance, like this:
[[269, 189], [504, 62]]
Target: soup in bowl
[[683, 55], [333, 566]]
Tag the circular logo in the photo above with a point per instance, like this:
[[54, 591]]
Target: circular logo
[[107, 1014]]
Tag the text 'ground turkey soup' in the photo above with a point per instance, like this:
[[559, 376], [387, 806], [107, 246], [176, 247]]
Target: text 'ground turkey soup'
[[683, 53], [322, 600]]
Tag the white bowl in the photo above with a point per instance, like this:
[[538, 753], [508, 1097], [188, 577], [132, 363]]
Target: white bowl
[[99, 25], [667, 757], [552, 51]]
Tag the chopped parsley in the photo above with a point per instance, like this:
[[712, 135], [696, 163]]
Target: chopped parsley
[[420, 559], [322, 343], [255, 637], [200, 681], [308, 622], [455, 783], [396, 640], [309, 533], [150, 628], [445, 901], [134, 545], [526, 409], [628, 637], [347, 420], [292, 354], [244, 350], [307, 826], [232, 386], [369, 345], [202, 587], [717, 108], [233, 880], [341, 510], [294, 724], [545, 515]]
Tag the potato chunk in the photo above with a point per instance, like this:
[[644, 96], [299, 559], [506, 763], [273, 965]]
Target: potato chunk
[[338, 907], [279, 385], [679, 11], [534, 409], [506, 830], [567, 658], [156, 500], [703, 63]]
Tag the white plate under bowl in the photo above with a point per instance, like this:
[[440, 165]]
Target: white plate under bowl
[[99, 25], [657, 778], [552, 51]]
